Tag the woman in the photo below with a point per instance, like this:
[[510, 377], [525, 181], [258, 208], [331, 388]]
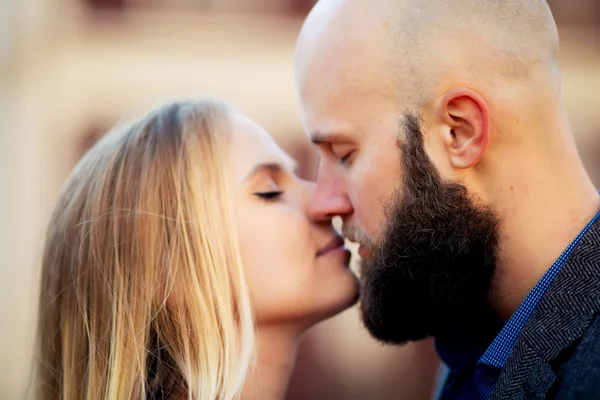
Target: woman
[[181, 263]]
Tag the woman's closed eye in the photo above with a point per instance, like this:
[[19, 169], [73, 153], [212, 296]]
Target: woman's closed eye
[[269, 195]]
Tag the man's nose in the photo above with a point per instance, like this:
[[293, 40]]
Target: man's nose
[[329, 200]]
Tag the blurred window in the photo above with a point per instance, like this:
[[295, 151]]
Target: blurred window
[[576, 12], [106, 4], [295, 7]]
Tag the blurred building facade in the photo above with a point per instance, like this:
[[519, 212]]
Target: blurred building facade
[[69, 69]]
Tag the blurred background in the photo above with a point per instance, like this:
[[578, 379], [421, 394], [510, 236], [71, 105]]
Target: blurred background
[[70, 69]]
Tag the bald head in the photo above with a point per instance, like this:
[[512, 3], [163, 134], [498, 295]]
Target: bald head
[[423, 45], [411, 100]]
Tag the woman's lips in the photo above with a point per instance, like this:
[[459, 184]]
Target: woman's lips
[[335, 244]]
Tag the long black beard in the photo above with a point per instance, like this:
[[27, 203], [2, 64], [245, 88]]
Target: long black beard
[[435, 262]]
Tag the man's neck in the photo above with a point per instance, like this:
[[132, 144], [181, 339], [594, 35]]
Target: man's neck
[[541, 212], [276, 349]]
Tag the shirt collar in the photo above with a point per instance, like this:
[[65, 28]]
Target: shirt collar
[[499, 350]]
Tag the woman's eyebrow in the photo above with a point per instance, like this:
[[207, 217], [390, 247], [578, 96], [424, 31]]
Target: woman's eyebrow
[[271, 167]]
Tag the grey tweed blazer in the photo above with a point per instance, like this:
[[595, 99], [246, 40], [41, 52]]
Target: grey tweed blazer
[[557, 354]]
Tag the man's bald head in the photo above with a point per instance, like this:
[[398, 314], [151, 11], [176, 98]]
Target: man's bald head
[[422, 45], [444, 147]]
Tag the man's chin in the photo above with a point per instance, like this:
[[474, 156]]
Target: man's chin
[[389, 318], [390, 312], [388, 330]]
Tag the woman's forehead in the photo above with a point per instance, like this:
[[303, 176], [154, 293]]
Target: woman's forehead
[[252, 145]]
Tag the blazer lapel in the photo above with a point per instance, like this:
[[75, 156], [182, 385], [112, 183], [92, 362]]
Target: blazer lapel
[[526, 375], [559, 321]]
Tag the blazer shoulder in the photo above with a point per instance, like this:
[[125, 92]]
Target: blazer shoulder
[[579, 373]]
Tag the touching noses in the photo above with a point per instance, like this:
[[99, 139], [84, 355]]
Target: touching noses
[[329, 198]]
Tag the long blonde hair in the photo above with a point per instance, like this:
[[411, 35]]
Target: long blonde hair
[[142, 289]]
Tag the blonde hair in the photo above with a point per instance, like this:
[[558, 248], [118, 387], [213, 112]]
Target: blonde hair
[[142, 290]]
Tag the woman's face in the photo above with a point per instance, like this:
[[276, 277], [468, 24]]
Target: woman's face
[[297, 269]]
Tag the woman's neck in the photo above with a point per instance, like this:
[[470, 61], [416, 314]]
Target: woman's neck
[[276, 349]]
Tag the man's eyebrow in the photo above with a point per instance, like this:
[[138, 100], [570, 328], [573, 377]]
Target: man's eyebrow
[[327, 137]]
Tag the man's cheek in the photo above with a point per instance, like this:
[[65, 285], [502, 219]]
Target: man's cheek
[[370, 215]]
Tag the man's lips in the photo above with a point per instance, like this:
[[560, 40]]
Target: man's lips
[[334, 244], [363, 251]]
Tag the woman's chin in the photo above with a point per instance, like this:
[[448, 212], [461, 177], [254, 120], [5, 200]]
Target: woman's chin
[[326, 303], [351, 300], [347, 298], [351, 293]]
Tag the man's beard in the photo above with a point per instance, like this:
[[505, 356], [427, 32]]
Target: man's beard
[[434, 264]]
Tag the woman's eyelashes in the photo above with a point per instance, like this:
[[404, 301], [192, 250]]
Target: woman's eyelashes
[[269, 195]]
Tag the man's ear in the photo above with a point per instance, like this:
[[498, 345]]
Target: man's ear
[[465, 121]]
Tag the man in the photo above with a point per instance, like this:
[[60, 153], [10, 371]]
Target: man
[[446, 150]]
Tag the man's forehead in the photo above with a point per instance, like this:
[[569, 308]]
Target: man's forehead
[[333, 116], [339, 45], [331, 84], [340, 74]]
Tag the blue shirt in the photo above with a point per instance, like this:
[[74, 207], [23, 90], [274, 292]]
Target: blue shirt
[[475, 368]]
